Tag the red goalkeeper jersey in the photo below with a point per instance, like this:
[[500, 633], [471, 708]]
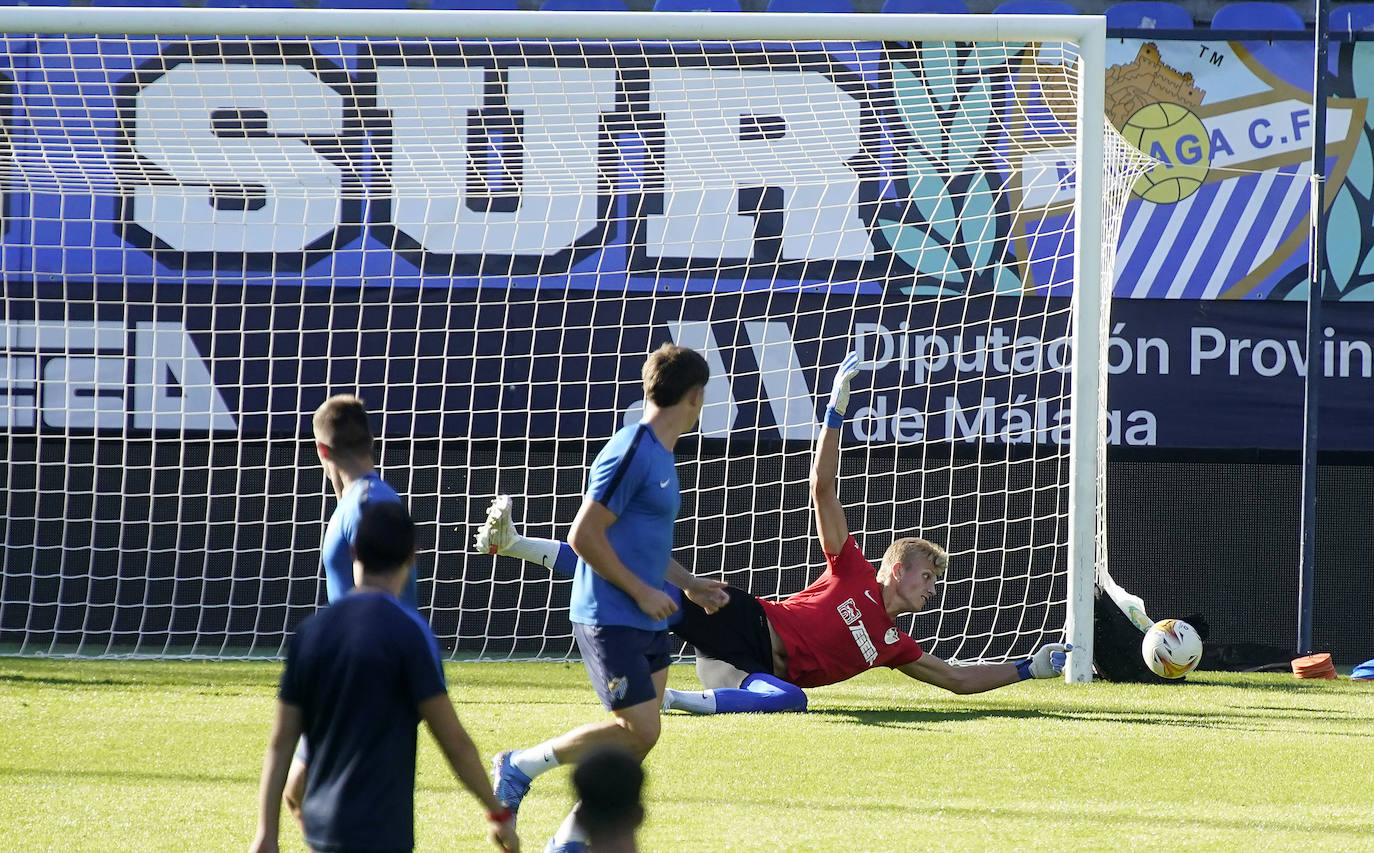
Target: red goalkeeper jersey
[[837, 628]]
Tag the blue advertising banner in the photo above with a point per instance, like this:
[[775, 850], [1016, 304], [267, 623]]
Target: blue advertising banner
[[1195, 373], [212, 234]]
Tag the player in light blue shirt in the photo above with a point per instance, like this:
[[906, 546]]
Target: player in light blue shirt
[[336, 551], [634, 477], [343, 440], [623, 536]]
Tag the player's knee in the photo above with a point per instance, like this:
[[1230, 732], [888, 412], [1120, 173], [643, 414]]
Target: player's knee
[[775, 694], [714, 674], [645, 740], [640, 738]]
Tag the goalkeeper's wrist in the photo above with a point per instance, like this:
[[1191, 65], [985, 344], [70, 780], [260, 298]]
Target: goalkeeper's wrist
[[500, 817], [1023, 669], [833, 417]]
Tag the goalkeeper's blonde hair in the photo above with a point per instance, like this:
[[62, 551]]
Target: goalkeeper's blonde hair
[[899, 552]]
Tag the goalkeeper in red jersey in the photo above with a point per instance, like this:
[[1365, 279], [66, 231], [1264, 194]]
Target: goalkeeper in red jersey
[[757, 655]]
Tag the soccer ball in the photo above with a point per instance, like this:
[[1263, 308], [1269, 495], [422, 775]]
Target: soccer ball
[[1171, 648]]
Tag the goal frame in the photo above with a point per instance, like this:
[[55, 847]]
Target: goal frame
[[1088, 32]]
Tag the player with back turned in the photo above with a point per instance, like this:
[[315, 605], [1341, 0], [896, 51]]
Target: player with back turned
[[623, 537], [757, 655], [343, 442], [359, 677]]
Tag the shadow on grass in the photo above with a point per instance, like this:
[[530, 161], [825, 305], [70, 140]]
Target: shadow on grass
[[59, 681], [1357, 829], [1264, 720], [173, 674], [216, 687], [908, 717], [129, 776], [1344, 686]]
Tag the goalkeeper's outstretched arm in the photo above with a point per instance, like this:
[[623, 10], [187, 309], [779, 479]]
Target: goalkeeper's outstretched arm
[[831, 525], [1047, 662]]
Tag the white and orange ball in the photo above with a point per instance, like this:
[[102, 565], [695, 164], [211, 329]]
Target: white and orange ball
[[1171, 648]]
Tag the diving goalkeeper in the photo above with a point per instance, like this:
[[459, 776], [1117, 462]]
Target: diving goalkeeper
[[757, 655]]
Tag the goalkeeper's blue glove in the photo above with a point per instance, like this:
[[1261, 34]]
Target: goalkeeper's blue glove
[[1047, 662], [839, 392]]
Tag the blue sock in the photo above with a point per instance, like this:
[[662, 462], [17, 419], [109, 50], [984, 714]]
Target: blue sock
[[760, 693], [565, 563]]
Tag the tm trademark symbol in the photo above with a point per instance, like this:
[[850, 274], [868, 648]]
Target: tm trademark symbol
[[1212, 56]]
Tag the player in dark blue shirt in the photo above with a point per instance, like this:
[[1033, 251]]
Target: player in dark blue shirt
[[359, 677], [623, 535], [343, 441]]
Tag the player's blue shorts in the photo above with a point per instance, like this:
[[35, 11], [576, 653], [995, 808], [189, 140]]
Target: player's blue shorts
[[621, 662]]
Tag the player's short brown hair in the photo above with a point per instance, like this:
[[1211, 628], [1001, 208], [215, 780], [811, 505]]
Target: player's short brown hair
[[340, 424], [671, 371], [904, 549]]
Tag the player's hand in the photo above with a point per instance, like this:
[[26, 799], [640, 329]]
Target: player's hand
[[503, 835], [839, 392], [656, 603], [496, 534], [709, 595], [1048, 660]]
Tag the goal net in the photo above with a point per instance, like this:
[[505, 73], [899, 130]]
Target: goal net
[[481, 224]]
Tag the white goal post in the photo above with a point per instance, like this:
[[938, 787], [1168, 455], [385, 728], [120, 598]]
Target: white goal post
[[480, 222]]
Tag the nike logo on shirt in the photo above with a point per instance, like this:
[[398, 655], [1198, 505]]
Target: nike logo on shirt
[[663, 484], [869, 593]]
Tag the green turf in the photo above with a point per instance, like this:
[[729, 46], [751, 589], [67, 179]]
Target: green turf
[[110, 755]]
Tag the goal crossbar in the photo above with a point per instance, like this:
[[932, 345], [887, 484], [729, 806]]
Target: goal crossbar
[[723, 26]]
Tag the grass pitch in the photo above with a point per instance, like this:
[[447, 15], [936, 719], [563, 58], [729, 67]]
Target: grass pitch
[[110, 756]]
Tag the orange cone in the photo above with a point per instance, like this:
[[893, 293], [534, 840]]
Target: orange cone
[[1314, 666]]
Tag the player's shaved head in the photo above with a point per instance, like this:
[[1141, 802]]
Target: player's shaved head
[[386, 537], [671, 371], [901, 552], [341, 425]]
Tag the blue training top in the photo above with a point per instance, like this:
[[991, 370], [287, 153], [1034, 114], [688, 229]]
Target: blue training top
[[634, 476], [358, 670], [336, 551]]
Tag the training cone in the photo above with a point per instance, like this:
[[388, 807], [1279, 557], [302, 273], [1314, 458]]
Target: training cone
[[1314, 666]]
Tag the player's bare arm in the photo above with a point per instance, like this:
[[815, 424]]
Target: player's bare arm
[[1047, 662], [438, 714], [286, 728], [831, 525], [587, 536], [961, 679]]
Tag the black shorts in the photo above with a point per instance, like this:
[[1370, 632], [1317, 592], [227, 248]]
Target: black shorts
[[737, 633], [621, 662]]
